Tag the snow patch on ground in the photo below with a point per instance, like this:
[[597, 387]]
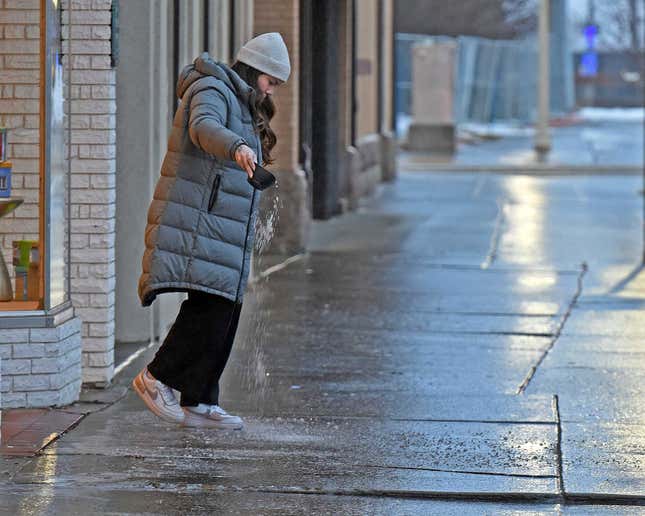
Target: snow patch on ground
[[496, 129], [593, 114]]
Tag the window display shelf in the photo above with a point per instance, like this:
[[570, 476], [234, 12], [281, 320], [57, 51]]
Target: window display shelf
[[19, 305]]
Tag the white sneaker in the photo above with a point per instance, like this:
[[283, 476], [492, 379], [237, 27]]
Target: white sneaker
[[210, 416], [158, 397]]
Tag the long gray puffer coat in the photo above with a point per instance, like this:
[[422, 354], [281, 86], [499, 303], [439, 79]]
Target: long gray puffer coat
[[200, 228]]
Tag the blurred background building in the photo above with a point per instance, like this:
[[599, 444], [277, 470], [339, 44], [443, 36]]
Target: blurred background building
[[596, 54], [596, 87]]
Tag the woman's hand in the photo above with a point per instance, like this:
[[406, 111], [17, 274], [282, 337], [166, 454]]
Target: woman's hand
[[246, 159]]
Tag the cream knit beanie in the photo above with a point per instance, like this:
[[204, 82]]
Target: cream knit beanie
[[267, 53]]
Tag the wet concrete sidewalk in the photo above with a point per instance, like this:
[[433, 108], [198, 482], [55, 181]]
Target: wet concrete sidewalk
[[607, 143], [463, 344]]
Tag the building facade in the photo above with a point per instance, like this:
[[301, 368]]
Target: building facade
[[87, 97]]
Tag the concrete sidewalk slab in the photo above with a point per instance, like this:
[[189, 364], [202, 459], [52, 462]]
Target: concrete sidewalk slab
[[624, 322], [26, 431], [402, 405], [176, 500], [604, 458], [317, 454]]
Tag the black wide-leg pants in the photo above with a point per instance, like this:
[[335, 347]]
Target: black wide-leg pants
[[197, 347]]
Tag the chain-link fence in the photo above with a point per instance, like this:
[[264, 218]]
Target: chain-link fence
[[495, 79]]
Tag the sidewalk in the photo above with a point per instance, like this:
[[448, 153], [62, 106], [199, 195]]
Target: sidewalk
[[597, 141], [463, 344]]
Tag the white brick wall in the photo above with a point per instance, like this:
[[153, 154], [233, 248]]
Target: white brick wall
[[93, 182], [41, 366]]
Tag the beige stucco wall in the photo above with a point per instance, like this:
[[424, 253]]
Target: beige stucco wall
[[387, 41], [367, 39]]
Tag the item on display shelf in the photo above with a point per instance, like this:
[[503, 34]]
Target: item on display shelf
[[26, 259], [5, 165], [5, 178], [6, 291]]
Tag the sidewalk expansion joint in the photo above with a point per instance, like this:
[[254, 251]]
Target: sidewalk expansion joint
[[489, 314], [478, 421], [558, 444], [323, 327], [459, 471], [529, 376], [478, 268], [83, 415], [474, 496], [405, 493], [495, 237]]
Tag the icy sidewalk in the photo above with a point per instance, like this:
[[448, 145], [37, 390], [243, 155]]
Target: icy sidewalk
[[463, 344], [606, 139]]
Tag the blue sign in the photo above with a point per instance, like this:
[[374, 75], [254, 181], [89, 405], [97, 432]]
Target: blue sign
[[588, 64], [5, 179], [589, 60], [591, 31]]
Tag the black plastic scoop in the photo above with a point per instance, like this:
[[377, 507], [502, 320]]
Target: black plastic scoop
[[262, 178]]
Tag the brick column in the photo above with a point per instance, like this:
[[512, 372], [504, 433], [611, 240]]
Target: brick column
[[93, 183], [284, 17], [291, 201]]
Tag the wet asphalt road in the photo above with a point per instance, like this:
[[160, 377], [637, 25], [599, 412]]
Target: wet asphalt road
[[463, 344]]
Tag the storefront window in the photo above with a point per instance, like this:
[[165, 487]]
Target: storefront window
[[34, 174]]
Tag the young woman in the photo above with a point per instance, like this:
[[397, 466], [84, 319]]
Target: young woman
[[200, 230]]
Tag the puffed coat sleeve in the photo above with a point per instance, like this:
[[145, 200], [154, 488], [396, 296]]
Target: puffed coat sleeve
[[207, 124]]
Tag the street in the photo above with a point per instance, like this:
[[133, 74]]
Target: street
[[464, 343]]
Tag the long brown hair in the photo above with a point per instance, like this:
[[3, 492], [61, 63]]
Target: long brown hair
[[262, 110]]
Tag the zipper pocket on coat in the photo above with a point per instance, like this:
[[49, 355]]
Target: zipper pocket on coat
[[214, 192]]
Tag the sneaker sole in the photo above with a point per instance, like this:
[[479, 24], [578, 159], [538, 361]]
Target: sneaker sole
[[140, 389], [193, 420]]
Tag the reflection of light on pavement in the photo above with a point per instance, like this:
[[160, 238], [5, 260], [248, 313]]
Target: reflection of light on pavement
[[538, 307], [621, 281], [524, 235], [535, 282], [518, 157], [45, 480], [524, 240]]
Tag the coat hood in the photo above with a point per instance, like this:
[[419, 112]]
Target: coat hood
[[205, 65]]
